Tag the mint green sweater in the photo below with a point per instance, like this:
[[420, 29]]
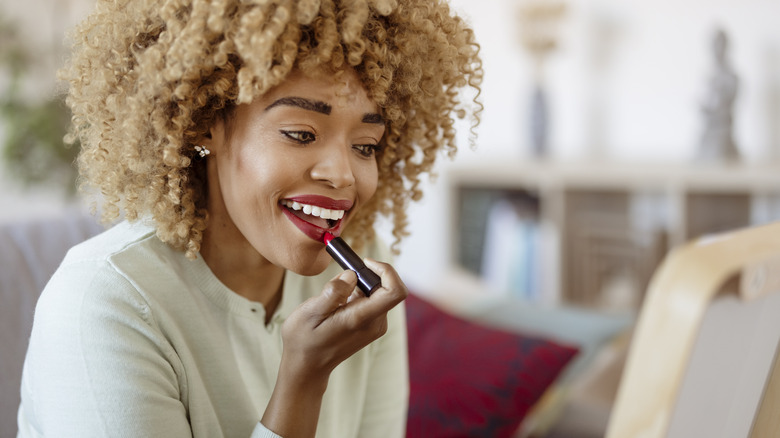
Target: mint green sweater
[[132, 339]]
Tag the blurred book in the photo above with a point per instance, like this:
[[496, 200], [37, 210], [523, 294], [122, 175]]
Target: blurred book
[[511, 253]]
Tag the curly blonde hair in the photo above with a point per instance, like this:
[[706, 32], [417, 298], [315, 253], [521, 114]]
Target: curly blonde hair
[[147, 80]]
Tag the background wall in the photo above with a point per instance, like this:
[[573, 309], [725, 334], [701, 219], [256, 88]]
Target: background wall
[[625, 84], [41, 25]]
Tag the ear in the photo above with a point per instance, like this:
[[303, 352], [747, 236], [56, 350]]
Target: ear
[[214, 140]]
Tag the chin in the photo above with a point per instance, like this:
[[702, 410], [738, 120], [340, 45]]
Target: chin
[[310, 269]]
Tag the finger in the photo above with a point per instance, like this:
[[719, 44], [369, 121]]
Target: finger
[[334, 294], [392, 292], [390, 278], [340, 287]]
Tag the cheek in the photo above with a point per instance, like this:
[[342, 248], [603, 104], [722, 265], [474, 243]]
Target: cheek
[[257, 165], [250, 184], [368, 181]]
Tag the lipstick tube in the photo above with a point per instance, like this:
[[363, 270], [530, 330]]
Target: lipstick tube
[[368, 281]]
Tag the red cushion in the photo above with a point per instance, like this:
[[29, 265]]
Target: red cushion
[[468, 380]]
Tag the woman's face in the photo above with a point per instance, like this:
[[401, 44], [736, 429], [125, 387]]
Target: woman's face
[[291, 165]]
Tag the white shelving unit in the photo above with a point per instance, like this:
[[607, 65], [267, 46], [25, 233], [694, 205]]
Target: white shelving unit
[[612, 220]]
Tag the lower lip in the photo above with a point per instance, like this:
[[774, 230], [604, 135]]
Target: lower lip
[[312, 231]]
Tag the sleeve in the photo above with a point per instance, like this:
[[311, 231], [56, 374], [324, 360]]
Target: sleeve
[[263, 432], [387, 391], [97, 366]]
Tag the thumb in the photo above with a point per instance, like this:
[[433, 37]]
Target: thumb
[[337, 291]]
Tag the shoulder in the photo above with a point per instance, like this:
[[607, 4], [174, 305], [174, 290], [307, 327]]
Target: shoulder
[[101, 293], [102, 271], [130, 250], [120, 238]]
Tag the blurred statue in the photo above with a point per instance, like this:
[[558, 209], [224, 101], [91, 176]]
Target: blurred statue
[[717, 142], [539, 26]]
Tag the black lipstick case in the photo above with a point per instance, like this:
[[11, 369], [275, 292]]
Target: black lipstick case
[[368, 281]]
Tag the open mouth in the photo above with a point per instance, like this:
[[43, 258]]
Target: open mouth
[[318, 216]]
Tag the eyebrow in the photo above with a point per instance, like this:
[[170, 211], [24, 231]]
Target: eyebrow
[[320, 107], [302, 102], [373, 118]]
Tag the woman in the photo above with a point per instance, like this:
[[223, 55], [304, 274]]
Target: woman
[[230, 136]]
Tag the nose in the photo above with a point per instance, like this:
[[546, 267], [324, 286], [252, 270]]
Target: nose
[[333, 166]]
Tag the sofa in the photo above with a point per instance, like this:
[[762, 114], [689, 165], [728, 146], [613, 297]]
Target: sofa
[[480, 365], [30, 251]]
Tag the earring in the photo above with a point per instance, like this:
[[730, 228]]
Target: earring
[[202, 151]]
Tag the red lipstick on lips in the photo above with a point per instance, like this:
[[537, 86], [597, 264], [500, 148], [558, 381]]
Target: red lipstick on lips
[[314, 231], [368, 281]]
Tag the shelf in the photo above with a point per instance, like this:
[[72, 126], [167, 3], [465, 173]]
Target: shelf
[[609, 221], [616, 175]]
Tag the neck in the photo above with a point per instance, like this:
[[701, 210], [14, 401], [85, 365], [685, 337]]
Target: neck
[[239, 267]]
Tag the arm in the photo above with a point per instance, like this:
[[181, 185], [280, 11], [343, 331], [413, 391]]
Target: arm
[[96, 365], [319, 335]]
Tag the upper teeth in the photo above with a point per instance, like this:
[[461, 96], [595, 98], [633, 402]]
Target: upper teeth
[[314, 210]]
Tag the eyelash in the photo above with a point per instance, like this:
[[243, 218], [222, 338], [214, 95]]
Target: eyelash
[[296, 136], [365, 150]]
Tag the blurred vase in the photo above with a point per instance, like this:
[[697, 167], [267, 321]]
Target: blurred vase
[[539, 122]]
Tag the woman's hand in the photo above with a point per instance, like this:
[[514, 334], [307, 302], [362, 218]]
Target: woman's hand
[[320, 334], [331, 327]]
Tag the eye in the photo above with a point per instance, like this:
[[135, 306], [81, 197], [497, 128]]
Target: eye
[[366, 150], [302, 137]]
